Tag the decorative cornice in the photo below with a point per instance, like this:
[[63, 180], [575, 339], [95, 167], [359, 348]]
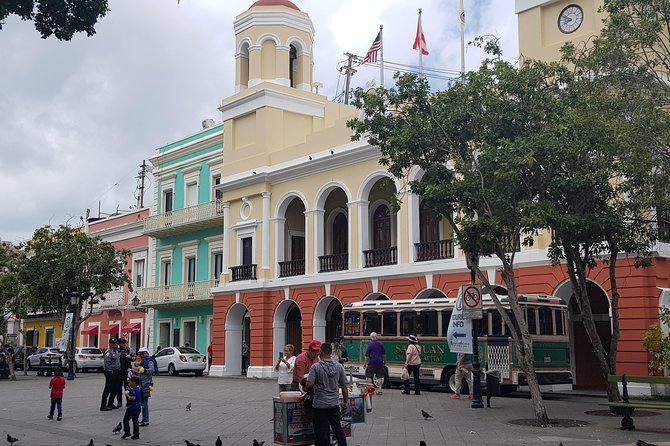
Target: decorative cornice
[[297, 20], [524, 5], [275, 99], [329, 159], [187, 148]]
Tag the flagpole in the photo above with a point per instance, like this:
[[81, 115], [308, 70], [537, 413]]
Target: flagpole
[[462, 26], [420, 50], [381, 50]]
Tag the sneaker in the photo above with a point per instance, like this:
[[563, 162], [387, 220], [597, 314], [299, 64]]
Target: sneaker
[[405, 393], [135, 437], [51, 417], [144, 423], [105, 409], [469, 397], [112, 406], [124, 436], [59, 418], [455, 396], [379, 392]]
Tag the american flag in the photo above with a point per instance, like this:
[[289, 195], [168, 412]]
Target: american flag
[[374, 49]]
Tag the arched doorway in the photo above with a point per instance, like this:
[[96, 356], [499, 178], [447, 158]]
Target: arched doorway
[[586, 373], [328, 319], [238, 326], [287, 327]]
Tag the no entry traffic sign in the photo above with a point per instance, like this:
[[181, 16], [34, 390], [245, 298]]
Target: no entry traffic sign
[[472, 301]]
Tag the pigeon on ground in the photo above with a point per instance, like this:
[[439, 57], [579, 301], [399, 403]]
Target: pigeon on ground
[[422, 443], [90, 443], [188, 406], [425, 414], [643, 443], [218, 441], [257, 443], [117, 429], [188, 443], [11, 440]]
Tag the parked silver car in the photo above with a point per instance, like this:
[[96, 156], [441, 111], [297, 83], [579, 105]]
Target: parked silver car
[[46, 357], [175, 360], [88, 358]]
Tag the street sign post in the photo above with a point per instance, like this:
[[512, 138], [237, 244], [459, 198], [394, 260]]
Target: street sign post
[[459, 334], [472, 301]]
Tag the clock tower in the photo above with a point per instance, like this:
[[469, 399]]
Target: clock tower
[[546, 25]]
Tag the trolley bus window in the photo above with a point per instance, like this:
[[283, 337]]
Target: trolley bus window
[[408, 320], [352, 323], [427, 323], [371, 322], [389, 323], [559, 322], [446, 317], [546, 320], [531, 320]]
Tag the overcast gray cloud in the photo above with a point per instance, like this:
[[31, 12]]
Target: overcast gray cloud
[[77, 118]]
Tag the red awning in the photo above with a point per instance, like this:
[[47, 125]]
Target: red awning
[[90, 330], [113, 329], [132, 328]]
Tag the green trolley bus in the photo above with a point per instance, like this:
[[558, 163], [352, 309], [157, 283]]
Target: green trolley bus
[[428, 319]]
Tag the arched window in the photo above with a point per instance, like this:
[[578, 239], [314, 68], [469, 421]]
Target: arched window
[[381, 227], [293, 65], [429, 223]]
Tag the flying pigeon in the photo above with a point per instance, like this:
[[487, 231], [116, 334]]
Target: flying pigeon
[[257, 443], [188, 443], [11, 440], [425, 414], [643, 443], [90, 443], [117, 429], [188, 406], [218, 442]]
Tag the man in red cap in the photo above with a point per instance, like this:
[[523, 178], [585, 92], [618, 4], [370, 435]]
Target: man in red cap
[[303, 362]]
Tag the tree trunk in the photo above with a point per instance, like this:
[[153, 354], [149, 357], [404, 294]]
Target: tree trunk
[[613, 388], [577, 272]]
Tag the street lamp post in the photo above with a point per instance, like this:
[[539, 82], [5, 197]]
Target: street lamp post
[[477, 403], [74, 306], [135, 302]]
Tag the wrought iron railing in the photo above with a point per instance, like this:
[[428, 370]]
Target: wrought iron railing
[[381, 257], [333, 262], [438, 249], [243, 272], [292, 268], [113, 299]]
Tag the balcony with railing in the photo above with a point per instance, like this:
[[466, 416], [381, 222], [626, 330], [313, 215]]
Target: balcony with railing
[[192, 218], [435, 250], [243, 272], [113, 299], [292, 268], [176, 294], [381, 257], [333, 262]]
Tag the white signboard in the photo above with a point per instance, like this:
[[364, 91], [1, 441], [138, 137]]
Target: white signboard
[[459, 334], [67, 328]]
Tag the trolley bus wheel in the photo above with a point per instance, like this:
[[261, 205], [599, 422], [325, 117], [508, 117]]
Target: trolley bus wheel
[[450, 380]]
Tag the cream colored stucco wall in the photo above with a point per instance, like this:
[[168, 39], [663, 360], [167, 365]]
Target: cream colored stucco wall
[[539, 35]]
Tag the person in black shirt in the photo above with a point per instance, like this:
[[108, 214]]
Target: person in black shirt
[[127, 359]]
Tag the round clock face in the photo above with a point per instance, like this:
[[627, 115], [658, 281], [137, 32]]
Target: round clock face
[[570, 19]]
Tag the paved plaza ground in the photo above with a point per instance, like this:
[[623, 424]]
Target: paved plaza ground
[[240, 410]]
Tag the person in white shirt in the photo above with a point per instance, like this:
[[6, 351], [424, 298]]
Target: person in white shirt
[[413, 365], [284, 368]]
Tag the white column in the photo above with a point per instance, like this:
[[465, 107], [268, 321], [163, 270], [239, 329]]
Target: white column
[[265, 231], [363, 229], [318, 236], [413, 221], [279, 241], [226, 237]]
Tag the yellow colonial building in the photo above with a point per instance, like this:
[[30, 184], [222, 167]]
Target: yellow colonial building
[[307, 219]]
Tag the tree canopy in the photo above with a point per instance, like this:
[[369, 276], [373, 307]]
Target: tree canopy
[[60, 18]]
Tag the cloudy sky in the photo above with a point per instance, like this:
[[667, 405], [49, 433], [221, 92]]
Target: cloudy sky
[[78, 117]]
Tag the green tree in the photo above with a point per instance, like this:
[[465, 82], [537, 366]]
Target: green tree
[[65, 260], [11, 295], [474, 143], [657, 342], [60, 18]]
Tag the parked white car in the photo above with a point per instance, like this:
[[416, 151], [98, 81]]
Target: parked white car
[[46, 357], [176, 360], [88, 358]]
